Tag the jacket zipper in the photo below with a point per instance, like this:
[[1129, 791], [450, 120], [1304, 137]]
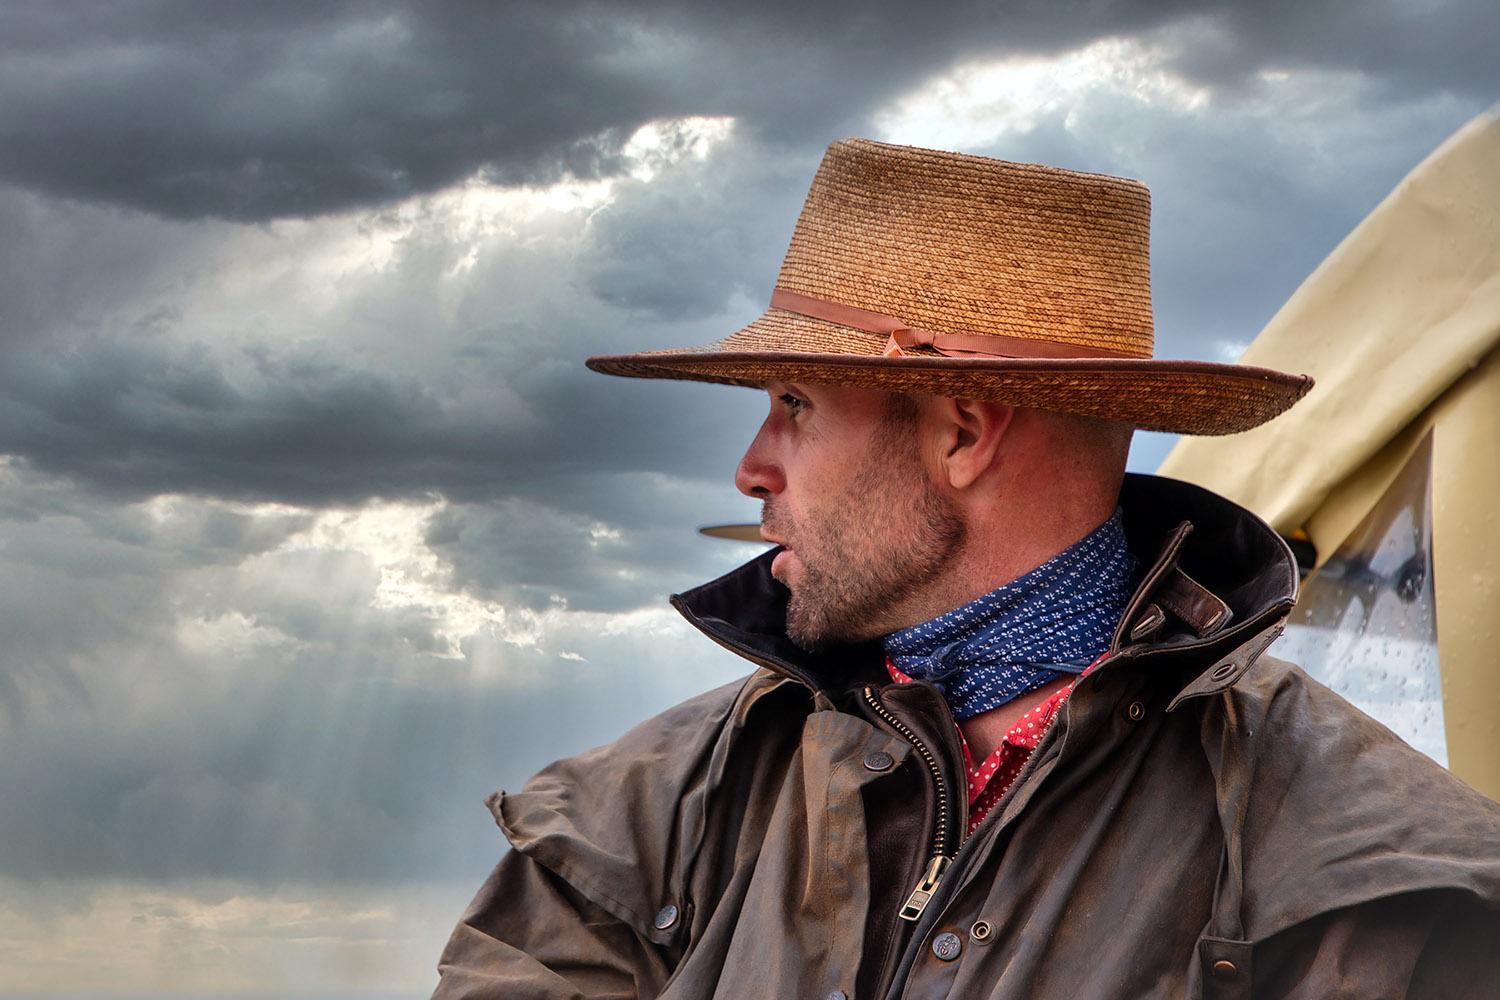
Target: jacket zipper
[[942, 855]]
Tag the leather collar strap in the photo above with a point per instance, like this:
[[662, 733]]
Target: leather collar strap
[[953, 345]]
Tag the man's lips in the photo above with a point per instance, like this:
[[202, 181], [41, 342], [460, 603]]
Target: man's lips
[[780, 563], [769, 524]]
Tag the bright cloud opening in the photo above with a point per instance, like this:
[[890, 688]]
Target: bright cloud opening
[[977, 103], [375, 575], [658, 145], [477, 209]]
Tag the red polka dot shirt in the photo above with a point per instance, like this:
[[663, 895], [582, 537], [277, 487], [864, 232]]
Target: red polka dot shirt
[[989, 780]]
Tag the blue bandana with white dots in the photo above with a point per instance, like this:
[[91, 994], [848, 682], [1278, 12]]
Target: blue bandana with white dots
[[1054, 620]]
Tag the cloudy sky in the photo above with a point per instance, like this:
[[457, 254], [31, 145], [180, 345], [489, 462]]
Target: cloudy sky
[[314, 529]]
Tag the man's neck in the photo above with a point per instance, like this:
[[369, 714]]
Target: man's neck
[[985, 731]]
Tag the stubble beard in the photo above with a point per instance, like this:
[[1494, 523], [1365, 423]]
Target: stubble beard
[[868, 549]]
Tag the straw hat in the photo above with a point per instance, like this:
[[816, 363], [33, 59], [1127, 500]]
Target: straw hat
[[920, 271]]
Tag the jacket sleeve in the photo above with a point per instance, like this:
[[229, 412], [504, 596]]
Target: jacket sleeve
[[1422, 946], [528, 936]]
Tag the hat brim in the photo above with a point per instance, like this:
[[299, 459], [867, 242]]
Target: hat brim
[[1181, 397]]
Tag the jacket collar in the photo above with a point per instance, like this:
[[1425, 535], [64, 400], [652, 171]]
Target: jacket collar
[[1217, 575]]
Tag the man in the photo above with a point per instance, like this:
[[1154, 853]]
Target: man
[[1012, 732]]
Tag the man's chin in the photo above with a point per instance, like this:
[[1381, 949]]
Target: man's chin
[[808, 643], [801, 627], [812, 631]]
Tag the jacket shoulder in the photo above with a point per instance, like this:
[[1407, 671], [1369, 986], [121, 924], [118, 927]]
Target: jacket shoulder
[[1328, 808]]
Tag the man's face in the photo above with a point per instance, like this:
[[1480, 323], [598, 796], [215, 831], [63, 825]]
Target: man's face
[[847, 493]]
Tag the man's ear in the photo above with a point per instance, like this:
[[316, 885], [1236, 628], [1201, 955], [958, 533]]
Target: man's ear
[[969, 435]]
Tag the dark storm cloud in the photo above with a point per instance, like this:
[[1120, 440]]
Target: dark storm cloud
[[125, 389], [1441, 45], [130, 424], [253, 111]]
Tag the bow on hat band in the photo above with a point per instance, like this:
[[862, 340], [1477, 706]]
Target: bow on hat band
[[953, 345]]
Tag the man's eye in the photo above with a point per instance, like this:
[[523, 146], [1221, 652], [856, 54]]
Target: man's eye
[[792, 403]]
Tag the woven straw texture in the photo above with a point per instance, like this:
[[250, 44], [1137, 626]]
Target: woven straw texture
[[967, 245]]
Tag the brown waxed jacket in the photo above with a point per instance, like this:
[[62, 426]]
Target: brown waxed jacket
[[1200, 821]]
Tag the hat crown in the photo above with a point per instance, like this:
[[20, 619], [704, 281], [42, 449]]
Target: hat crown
[[961, 244]]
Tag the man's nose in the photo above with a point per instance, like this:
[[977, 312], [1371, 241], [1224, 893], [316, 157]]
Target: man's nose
[[759, 475]]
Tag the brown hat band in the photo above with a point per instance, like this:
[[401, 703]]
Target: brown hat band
[[951, 345]]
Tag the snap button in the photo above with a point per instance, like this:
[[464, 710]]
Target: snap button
[[879, 761], [837, 995], [1224, 970], [1222, 671], [665, 917], [1136, 712], [981, 931], [947, 946]]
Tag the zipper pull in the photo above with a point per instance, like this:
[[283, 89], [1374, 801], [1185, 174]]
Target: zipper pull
[[917, 901]]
